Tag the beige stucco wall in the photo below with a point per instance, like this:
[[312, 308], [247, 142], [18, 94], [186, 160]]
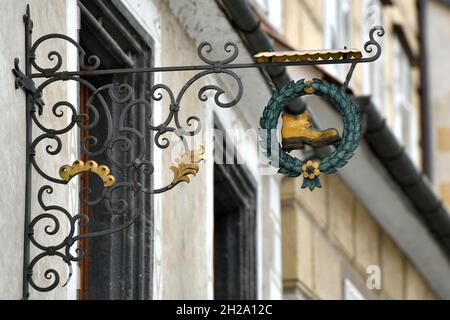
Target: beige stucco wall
[[328, 235], [437, 28]]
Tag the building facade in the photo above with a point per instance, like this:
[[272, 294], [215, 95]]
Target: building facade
[[169, 252], [334, 241], [237, 230], [436, 14]]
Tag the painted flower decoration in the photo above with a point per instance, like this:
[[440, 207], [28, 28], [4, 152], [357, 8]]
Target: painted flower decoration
[[311, 173]]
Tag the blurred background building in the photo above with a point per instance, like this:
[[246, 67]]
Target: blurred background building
[[376, 230], [347, 228]]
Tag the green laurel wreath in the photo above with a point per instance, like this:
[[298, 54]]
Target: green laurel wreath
[[292, 166]]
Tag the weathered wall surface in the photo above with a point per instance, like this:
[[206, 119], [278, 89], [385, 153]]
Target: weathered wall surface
[[183, 261], [183, 221], [331, 232], [13, 154], [328, 235], [437, 29], [332, 229], [49, 17]]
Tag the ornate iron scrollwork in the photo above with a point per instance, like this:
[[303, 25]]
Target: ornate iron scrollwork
[[120, 139]]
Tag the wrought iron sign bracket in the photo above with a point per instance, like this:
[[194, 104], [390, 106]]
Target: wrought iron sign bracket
[[26, 83], [124, 138]]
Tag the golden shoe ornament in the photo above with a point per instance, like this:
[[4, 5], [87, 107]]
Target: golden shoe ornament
[[297, 130]]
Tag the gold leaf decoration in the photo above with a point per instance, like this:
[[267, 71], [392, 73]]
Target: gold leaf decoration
[[187, 164], [308, 55], [308, 89], [67, 172]]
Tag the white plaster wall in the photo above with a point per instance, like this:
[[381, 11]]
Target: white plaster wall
[[204, 21], [182, 268], [12, 156], [183, 262], [48, 16]]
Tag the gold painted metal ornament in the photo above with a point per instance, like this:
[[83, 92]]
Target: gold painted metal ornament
[[186, 165], [308, 88], [298, 131], [67, 172], [308, 55], [311, 169]]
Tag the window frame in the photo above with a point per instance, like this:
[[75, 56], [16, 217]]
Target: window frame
[[120, 273], [405, 117], [337, 30], [272, 11], [374, 73], [235, 223]]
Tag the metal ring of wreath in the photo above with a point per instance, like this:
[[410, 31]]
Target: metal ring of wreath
[[311, 169]]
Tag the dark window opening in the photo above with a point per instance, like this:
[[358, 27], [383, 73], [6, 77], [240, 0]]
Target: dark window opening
[[116, 266], [234, 229]]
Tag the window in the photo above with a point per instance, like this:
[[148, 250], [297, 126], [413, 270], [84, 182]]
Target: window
[[351, 292], [373, 73], [115, 267], [272, 11], [405, 120], [337, 29], [337, 23], [235, 197]]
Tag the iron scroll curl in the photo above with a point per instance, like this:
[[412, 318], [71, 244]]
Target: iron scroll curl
[[50, 221]]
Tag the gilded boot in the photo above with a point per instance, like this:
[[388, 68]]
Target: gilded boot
[[297, 131]]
